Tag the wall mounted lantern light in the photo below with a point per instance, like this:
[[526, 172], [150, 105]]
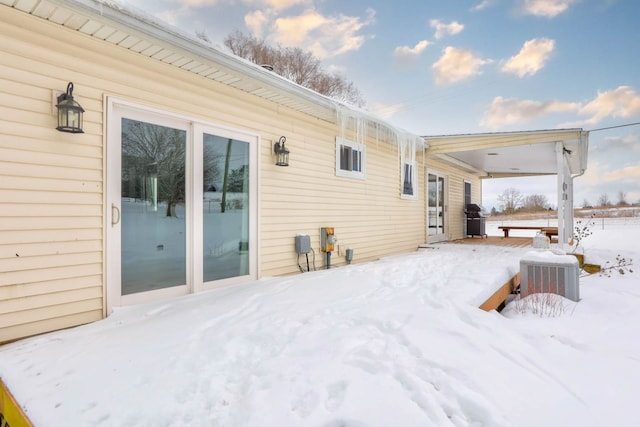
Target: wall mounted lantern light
[[69, 112], [282, 154]]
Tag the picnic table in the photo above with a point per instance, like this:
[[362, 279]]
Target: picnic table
[[549, 231]]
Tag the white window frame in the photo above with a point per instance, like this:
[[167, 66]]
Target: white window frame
[[408, 158], [353, 146]]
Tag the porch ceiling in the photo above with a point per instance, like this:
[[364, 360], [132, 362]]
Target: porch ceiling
[[513, 153]]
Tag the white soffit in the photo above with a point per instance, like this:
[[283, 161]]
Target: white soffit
[[111, 22], [514, 153]]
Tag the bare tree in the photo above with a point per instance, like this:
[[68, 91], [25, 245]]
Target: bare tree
[[510, 200], [157, 153], [296, 65], [586, 204], [622, 198], [535, 203], [604, 200]]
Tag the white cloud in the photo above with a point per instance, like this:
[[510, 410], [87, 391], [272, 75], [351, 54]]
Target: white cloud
[[271, 4], [406, 53], [482, 5], [443, 29], [256, 22], [621, 102], [625, 144], [531, 58], [324, 36], [503, 112], [546, 8], [456, 65], [385, 110], [593, 176], [198, 3], [628, 173], [601, 178]]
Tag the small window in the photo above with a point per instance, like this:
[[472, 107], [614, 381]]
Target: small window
[[350, 159], [408, 170], [407, 180]]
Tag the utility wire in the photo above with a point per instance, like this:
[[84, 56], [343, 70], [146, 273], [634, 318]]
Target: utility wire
[[615, 127]]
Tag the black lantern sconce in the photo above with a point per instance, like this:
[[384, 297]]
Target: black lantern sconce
[[282, 154], [69, 112]]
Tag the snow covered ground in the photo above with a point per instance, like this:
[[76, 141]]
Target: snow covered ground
[[398, 342]]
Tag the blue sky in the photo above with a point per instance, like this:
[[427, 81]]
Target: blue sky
[[462, 66]]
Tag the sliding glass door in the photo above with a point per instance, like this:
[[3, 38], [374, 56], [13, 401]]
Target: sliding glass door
[[182, 205], [436, 207]]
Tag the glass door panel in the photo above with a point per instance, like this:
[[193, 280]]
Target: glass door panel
[[226, 208], [436, 215], [153, 206]]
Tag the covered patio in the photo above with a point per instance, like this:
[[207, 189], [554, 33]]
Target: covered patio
[[561, 152]]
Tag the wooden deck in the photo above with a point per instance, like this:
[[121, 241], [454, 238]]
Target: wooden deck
[[11, 414], [514, 242], [497, 300]]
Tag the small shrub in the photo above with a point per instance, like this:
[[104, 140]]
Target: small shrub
[[541, 304], [581, 231], [621, 266]]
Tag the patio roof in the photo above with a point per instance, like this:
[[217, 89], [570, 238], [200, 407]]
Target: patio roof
[[561, 152], [511, 154]]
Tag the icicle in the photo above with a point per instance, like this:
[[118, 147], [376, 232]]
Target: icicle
[[358, 126]]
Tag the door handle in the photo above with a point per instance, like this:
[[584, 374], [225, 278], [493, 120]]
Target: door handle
[[116, 210]]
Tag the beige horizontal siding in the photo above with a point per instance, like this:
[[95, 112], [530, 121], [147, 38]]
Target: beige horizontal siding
[[52, 184], [51, 190], [51, 299], [368, 215], [46, 324], [45, 287]]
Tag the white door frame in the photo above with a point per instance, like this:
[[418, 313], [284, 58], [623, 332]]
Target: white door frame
[[434, 238], [116, 109]]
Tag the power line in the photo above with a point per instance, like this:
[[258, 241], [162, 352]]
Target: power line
[[615, 127]]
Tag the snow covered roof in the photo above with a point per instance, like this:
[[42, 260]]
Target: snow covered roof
[[135, 30]]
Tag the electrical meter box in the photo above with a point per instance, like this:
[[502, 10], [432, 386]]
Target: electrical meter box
[[327, 239], [303, 244]]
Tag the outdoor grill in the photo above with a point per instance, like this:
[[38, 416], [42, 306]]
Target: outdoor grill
[[475, 220]]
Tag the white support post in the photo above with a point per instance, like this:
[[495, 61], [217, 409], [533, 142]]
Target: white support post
[[565, 197], [562, 187]]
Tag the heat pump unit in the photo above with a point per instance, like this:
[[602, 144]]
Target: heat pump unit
[[547, 272]]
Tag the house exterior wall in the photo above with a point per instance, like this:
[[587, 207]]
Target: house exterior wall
[[455, 194], [52, 184]]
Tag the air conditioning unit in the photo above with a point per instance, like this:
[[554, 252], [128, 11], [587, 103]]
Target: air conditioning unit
[[547, 272]]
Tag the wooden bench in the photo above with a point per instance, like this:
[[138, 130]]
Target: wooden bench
[[549, 231]]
